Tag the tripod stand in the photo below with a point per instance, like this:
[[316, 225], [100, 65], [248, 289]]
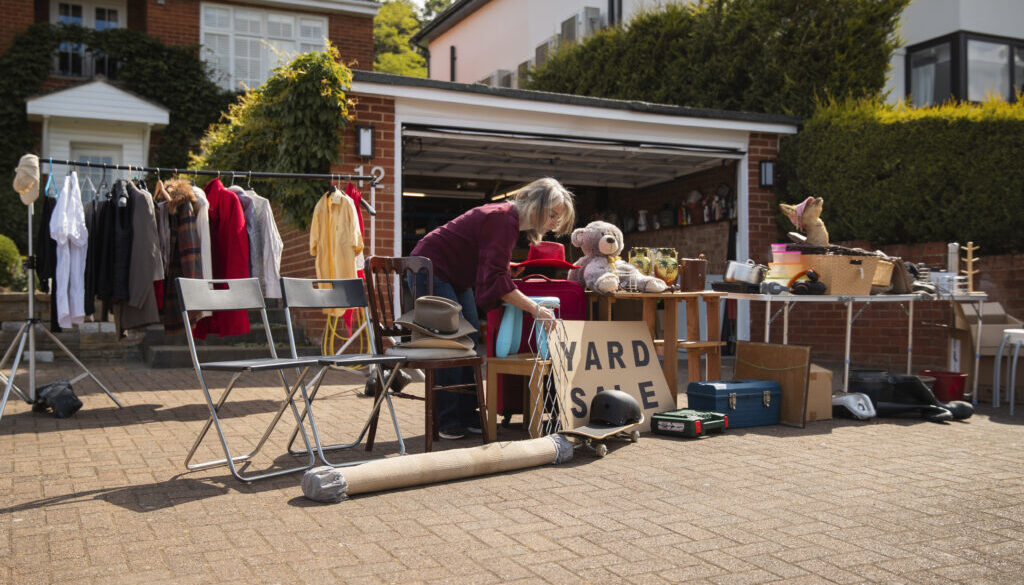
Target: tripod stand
[[27, 334]]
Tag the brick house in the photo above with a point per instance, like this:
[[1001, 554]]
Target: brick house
[[82, 117]]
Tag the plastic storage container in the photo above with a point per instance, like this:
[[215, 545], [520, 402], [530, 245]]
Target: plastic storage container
[[785, 257]]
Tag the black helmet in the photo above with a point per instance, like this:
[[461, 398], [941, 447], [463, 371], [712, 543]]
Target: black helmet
[[615, 408]]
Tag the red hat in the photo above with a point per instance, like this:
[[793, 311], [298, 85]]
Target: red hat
[[548, 254]]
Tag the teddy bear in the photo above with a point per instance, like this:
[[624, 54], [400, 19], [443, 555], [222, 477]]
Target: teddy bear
[[601, 270], [806, 217]]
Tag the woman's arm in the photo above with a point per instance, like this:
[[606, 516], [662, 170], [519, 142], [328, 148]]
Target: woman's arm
[[516, 298]]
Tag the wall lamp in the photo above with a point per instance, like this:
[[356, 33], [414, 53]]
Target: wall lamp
[[766, 178], [364, 141]]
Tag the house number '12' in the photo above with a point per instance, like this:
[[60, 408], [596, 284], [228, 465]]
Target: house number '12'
[[376, 172]]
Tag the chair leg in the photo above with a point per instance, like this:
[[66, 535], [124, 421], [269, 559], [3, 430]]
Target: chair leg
[[1013, 375], [997, 370], [373, 420], [481, 400], [429, 426]]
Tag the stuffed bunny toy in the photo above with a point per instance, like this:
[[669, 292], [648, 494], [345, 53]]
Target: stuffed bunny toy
[[601, 270]]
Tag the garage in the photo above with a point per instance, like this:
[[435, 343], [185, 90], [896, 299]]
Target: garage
[[668, 176]]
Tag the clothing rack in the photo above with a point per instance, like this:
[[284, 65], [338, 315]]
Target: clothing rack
[[219, 173]]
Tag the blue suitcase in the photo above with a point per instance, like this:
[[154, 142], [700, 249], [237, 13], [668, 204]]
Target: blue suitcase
[[748, 403]]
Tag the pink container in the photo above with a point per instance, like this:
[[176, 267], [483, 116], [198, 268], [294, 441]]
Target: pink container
[[778, 248], [783, 257]]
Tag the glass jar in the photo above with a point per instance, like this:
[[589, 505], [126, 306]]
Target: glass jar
[[666, 264], [641, 258]]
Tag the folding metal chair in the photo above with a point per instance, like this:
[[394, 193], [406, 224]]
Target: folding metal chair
[[303, 293], [198, 295]]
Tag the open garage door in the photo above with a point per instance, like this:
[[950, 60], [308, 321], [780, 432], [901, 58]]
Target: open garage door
[[442, 158]]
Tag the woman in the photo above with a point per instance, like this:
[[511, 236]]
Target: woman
[[470, 255]]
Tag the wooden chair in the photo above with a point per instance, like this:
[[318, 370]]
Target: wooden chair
[[388, 280]]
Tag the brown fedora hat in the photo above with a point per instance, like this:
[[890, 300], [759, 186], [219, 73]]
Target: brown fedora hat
[[421, 340], [436, 317], [545, 254]]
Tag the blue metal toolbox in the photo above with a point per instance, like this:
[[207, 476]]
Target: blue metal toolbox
[[747, 403]]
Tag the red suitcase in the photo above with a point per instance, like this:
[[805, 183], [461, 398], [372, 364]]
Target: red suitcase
[[573, 307]]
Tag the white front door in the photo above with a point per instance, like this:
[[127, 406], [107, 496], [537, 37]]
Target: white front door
[[100, 179]]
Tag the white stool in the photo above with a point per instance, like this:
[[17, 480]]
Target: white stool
[[1014, 337]]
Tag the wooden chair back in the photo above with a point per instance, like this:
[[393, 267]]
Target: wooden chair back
[[390, 279]]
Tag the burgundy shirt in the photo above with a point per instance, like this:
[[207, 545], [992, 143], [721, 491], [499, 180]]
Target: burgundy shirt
[[473, 251]]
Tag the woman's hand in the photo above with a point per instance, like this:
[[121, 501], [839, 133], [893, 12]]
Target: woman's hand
[[546, 317]]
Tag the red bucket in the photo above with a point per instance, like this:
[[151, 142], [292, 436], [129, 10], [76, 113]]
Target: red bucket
[[948, 385]]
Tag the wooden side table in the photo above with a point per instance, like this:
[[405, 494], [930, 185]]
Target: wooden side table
[[669, 346], [520, 364]]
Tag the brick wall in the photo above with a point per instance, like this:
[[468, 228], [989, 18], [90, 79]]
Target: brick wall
[[762, 202], [353, 36], [177, 22], [18, 15], [295, 260]]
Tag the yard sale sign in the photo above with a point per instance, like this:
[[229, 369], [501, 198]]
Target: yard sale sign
[[592, 356]]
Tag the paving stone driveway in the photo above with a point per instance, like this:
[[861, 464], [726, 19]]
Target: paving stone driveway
[[103, 498]]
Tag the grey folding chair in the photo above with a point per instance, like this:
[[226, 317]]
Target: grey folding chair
[[303, 293], [198, 295]]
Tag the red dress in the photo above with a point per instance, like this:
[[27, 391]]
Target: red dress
[[230, 246]]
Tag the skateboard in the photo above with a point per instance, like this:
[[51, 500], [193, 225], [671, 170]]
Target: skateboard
[[594, 437]]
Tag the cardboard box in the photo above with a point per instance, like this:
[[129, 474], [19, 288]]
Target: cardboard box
[[994, 320], [819, 394]]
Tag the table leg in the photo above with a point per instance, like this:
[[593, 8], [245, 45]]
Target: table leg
[[977, 354], [714, 313], [846, 354], [650, 315], [767, 318], [492, 403], [671, 336], [785, 323], [693, 334], [910, 336]]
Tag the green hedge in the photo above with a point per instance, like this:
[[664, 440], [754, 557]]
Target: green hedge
[[774, 56], [900, 175]]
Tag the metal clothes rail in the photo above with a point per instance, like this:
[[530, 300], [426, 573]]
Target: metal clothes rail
[[222, 173]]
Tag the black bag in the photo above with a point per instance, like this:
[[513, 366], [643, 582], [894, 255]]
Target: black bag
[[59, 397]]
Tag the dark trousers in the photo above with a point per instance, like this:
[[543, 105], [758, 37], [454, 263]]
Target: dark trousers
[[453, 409]]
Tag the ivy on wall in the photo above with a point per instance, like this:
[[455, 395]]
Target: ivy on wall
[[291, 123], [172, 75], [892, 174]]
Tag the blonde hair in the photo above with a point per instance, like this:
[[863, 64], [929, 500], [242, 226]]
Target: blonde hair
[[535, 202]]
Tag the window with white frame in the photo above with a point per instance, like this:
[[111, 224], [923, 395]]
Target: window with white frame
[[243, 45], [72, 59]]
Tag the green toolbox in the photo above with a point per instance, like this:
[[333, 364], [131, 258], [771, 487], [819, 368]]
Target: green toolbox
[[688, 423]]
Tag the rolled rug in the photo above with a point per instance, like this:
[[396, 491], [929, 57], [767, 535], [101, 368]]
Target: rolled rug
[[330, 484]]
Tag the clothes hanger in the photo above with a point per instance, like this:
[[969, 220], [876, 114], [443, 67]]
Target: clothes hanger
[[122, 199], [103, 185], [86, 180], [50, 183], [160, 192]]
